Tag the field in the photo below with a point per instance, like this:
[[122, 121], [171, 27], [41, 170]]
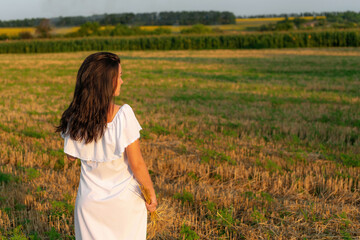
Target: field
[[12, 32], [242, 144], [251, 24], [274, 19], [241, 25]]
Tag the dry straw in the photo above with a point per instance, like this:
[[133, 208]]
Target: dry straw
[[297, 190], [159, 219]]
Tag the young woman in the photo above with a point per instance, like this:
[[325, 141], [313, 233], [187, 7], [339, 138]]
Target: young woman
[[104, 136]]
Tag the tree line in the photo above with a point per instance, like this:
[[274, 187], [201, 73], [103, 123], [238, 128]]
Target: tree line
[[340, 17], [340, 20], [140, 19]]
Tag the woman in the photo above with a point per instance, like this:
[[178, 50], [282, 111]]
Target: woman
[[104, 136]]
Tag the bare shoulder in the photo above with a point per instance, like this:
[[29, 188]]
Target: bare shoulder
[[116, 107], [115, 110]]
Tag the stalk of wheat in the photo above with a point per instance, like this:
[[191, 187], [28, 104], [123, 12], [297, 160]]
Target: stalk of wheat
[[158, 218]]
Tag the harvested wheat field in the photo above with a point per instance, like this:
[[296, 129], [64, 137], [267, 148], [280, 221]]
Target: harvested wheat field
[[253, 144]]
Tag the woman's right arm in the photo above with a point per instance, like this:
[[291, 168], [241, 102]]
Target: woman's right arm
[[71, 158], [138, 167]]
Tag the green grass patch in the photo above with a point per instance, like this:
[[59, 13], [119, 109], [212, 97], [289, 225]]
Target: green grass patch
[[187, 233], [225, 217], [258, 216], [185, 196], [272, 166], [212, 155], [6, 177], [61, 207], [32, 173], [53, 234], [193, 175], [17, 233], [159, 130], [58, 155], [5, 128], [33, 132], [349, 160]]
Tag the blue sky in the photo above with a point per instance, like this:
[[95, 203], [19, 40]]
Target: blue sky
[[20, 9]]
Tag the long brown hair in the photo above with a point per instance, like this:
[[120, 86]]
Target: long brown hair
[[96, 82]]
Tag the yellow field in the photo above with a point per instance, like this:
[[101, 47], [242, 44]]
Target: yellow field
[[172, 28], [65, 30], [16, 31], [177, 29]]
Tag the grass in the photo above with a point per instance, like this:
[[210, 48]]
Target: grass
[[187, 233], [5, 177], [32, 173], [185, 196], [262, 141]]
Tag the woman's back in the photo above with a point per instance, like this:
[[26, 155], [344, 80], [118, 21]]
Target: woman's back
[[109, 197], [109, 204]]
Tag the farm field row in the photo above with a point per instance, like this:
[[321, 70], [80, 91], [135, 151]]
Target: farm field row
[[241, 144]]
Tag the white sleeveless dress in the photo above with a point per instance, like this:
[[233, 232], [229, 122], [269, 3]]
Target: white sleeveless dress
[[108, 205]]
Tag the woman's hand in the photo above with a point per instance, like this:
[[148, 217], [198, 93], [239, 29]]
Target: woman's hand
[[138, 167], [152, 206]]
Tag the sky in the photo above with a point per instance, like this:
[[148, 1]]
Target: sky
[[20, 9]]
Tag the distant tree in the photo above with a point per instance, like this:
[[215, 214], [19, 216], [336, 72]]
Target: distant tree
[[145, 19], [299, 21], [25, 35], [321, 23], [267, 27], [160, 31], [123, 30], [4, 36], [198, 29], [44, 28], [70, 21], [227, 18], [89, 29], [113, 19], [284, 25]]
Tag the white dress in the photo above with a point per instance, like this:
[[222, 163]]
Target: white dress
[[108, 205]]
